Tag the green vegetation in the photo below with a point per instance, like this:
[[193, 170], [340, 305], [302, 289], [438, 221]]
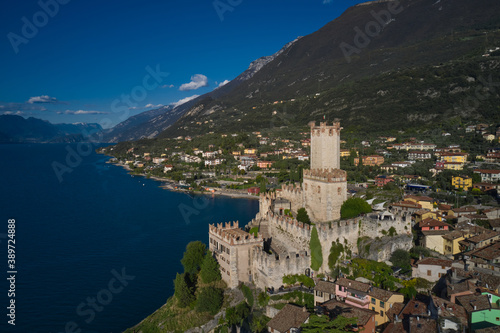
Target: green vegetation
[[193, 257], [247, 292], [378, 272], [254, 231], [320, 324], [263, 299], [238, 314], [183, 290], [316, 252], [209, 300], [295, 297], [210, 269], [336, 251], [290, 280], [353, 207], [302, 216], [401, 258]]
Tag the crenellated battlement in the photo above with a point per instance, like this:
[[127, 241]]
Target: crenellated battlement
[[326, 175], [324, 128], [232, 234], [269, 269]]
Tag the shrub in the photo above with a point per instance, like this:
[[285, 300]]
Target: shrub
[[209, 300], [335, 252], [353, 207], [302, 216], [401, 258], [236, 315]]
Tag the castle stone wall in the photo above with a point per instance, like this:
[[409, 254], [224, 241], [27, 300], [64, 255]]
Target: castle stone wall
[[268, 269], [325, 146]]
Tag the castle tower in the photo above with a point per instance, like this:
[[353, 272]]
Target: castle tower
[[325, 146], [325, 185]]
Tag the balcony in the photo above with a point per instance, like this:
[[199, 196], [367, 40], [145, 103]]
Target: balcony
[[358, 301]]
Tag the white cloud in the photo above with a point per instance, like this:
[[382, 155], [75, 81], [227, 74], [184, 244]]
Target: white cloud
[[43, 99], [17, 113], [197, 81], [80, 112], [167, 86], [153, 106], [184, 100], [223, 83]]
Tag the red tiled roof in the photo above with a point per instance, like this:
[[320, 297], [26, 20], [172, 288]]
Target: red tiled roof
[[435, 262]]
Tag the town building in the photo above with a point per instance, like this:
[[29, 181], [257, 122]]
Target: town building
[[431, 269], [461, 182], [289, 319]]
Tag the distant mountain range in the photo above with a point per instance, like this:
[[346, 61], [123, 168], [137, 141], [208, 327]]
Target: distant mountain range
[[16, 129], [381, 65]]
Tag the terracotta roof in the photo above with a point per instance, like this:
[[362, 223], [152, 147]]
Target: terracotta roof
[[474, 302], [356, 285], [487, 171], [453, 235], [325, 286], [409, 204], [435, 262], [482, 237], [414, 308], [449, 309], [422, 211], [289, 317], [395, 309], [336, 308], [488, 252], [464, 209], [445, 207], [423, 325], [435, 232], [430, 222], [395, 328], [382, 294], [494, 223]]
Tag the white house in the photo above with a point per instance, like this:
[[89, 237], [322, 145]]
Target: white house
[[431, 269]]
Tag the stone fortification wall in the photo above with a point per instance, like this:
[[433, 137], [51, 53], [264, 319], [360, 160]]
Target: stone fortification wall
[[268, 269], [294, 194], [289, 231]]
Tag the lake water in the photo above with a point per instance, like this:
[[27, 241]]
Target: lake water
[[99, 250]]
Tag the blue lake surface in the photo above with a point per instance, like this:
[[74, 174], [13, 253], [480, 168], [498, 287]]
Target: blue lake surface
[[74, 237]]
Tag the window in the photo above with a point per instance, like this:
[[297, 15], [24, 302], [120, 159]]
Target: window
[[373, 301], [382, 304], [373, 308], [381, 313], [498, 319], [429, 272]]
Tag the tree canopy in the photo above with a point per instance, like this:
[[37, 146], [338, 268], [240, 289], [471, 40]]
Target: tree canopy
[[302, 216], [353, 207], [183, 290], [210, 269], [193, 257]]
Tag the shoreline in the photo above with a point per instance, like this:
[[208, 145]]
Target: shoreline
[[169, 186]]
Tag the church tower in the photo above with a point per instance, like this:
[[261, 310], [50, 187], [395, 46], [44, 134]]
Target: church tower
[[325, 185]]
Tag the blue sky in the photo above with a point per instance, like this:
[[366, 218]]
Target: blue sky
[[77, 61]]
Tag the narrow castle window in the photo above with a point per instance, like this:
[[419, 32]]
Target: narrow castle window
[[319, 189], [339, 190]]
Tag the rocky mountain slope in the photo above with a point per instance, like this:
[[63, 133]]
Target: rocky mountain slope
[[379, 66]]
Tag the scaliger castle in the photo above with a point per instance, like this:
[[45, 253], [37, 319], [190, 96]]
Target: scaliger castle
[[282, 244]]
